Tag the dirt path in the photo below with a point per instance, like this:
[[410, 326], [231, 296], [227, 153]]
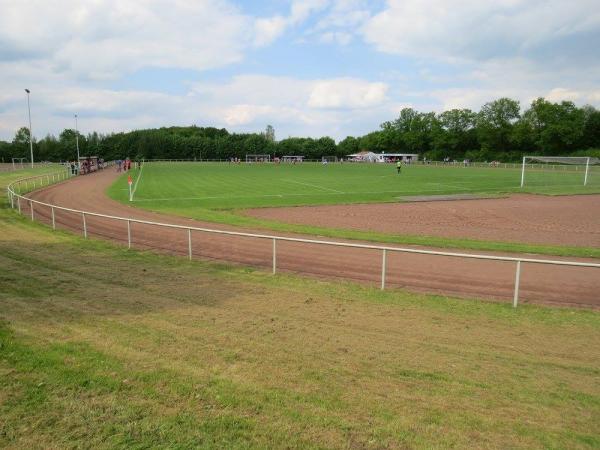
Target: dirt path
[[533, 219], [423, 273]]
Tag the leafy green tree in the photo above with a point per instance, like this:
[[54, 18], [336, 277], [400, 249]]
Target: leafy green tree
[[5, 152], [556, 128], [412, 131], [20, 143], [495, 123], [454, 135], [348, 146], [48, 148], [67, 145], [270, 133], [325, 146], [591, 127]]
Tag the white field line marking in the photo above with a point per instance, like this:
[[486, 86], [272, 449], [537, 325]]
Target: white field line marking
[[137, 181], [324, 194], [313, 185]]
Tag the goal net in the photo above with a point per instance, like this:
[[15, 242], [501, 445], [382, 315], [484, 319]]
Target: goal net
[[18, 163], [258, 158], [329, 159], [560, 170]]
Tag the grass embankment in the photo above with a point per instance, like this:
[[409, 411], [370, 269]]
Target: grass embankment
[[220, 192], [101, 347]]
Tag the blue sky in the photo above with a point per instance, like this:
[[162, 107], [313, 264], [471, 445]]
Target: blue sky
[[310, 68]]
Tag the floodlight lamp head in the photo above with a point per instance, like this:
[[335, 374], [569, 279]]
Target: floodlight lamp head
[[27, 90]]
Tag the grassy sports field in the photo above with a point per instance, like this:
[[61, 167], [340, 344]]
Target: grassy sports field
[[104, 347], [228, 186], [218, 192]]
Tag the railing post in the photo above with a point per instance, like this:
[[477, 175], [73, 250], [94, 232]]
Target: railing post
[[274, 256], [129, 234], [84, 225], [190, 244], [19, 204], [53, 219], [517, 281], [383, 268], [31, 208]]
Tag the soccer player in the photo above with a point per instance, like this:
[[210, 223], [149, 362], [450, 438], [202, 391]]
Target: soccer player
[[399, 166]]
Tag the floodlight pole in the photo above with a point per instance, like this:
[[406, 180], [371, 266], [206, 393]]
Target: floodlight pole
[[587, 168], [77, 141], [30, 134], [523, 172]]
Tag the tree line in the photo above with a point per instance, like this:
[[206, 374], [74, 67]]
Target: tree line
[[499, 131]]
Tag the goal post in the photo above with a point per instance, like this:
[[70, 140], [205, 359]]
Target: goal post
[[18, 161], [258, 158], [329, 158], [558, 161]]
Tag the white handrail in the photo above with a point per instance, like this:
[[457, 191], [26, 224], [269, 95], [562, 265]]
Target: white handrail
[[12, 194]]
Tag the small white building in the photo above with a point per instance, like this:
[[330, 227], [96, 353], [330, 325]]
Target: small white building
[[394, 157], [363, 157], [383, 157]]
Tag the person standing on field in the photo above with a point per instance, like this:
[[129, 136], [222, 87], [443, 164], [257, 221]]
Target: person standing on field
[[399, 166]]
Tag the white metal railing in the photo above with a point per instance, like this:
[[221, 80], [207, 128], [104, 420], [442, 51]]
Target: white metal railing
[[31, 183]]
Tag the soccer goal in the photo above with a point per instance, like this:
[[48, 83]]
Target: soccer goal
[[573, 170], [329, 159], [258, 158], [18, 163]]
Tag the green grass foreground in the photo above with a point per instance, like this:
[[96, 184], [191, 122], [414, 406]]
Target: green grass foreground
[[219, 192], [101, 347]]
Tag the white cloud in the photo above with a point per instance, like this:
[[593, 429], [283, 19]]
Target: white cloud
[[301, 9], [333, 107], [346, 14], [476, 30], [347, 93], [519, 79], [271, 28], [253, 99], [105, 39], [459, 55], [339, 24], [560, 94], [245, 114]]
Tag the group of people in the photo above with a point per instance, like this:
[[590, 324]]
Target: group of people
[[86, 165], [123, 165]]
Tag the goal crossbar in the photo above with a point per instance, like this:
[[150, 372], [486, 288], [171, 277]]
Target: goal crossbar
[[18, 161], [572, 160]]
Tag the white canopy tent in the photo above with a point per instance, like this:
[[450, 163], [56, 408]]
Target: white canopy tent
[[383, 157]]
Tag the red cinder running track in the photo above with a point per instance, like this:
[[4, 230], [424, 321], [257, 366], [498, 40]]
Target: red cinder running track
[[557, 285]]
